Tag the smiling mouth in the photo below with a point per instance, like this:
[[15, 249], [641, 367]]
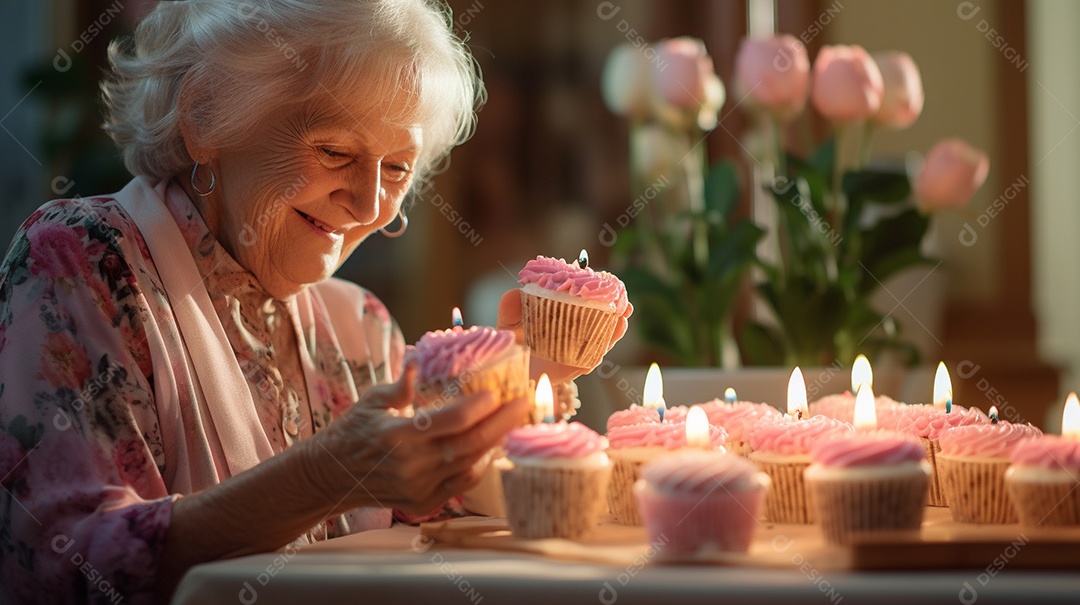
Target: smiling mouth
[[316, 222]]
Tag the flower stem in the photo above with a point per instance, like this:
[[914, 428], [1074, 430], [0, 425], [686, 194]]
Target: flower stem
[[864, 144], [835, 210], [695, 191]]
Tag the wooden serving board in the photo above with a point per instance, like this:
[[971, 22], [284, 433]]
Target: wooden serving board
[[940, 544]]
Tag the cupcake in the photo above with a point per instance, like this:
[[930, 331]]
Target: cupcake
[[841, 406], [635, 414], [972, 464], [462, 361], [1043, 481], [782, 450], [866, 482], [699, 502], [631, 447], [554, 480], [738, 419], [927, 422], [569, 313]]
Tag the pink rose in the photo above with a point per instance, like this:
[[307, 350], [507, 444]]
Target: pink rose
[[902, 101], [129, 456], [774, 74], [847, 84], [953, 171], [686, 79], [626, 81], [64, 362], [56, 250]]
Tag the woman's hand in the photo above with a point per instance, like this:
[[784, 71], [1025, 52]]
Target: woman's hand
[[510, 319], [372, 456]]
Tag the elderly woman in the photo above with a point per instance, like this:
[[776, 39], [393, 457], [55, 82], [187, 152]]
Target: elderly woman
[[181, 380]]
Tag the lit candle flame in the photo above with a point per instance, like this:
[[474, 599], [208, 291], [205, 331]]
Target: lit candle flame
[[861, 373], [730, 396], [455, 317], [796, 395], [697, 429], [654, 391], [1070, 418], [583, 259], [942, 387], [993, 414], [865, 411], [545, 399]]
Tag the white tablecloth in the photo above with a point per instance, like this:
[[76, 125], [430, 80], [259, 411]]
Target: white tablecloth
[[392, 566]]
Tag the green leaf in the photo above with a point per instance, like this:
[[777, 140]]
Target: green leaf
[[901, 233], [881, 186], [823, 159], [761, 345], [722, 188]]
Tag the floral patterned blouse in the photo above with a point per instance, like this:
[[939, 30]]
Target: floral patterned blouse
[[89, 466]]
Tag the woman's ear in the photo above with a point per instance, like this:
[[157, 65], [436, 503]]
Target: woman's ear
[[194, 141]]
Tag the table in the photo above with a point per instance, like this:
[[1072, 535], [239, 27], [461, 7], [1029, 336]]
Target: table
[[400, 566]]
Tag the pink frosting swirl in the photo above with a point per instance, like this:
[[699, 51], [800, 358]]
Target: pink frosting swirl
[[560, 276], [553, 440], [700, 472], [929, 421], [447, 354], [841, 406], [1050, 452], [985, 440], [675, 413], [868, 450], [738, 417], [635, 414], [668, 435], [795, 437]]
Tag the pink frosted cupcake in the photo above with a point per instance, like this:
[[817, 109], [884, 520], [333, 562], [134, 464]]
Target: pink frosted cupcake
[[631, 447], [738, 418], [1043, 481], [635, 414], [841, 406], [462, 361], [972, 463], [555, 480], [701, 502], [782, 450], [927, 422], [570, 313], [865, 482]]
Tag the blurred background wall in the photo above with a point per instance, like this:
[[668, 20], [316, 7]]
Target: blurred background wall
[[548, 165]]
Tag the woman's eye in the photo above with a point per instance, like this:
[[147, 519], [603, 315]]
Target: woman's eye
[[397, 172], [333, 155]]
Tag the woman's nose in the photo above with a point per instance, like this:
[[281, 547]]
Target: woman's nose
[[364, 194]]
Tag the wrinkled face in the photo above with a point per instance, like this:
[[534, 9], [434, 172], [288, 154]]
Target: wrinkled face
[[297, 196]]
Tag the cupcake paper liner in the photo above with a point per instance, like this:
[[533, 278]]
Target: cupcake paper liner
[[620, 496], [553, 502], [566, 333], [1045, 504], [507, 377], [786, 501], [975, 489], [720, 521], [847, 507], [936, 495]]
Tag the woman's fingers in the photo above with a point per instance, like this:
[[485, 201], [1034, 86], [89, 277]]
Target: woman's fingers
[[475, 443], [395, 395], [510, 313], [457, 416]]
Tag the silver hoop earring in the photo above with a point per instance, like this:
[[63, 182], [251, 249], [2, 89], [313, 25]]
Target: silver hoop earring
[[213, 180], [399, 232]]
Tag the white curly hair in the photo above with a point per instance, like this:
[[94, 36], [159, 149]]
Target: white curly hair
[[242, 60]]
